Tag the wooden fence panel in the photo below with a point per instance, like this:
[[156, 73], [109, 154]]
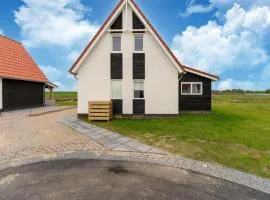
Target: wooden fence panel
[[100, 110]]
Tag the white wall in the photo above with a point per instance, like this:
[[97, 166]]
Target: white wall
[[161, 83], [94, 82], [1, 94]]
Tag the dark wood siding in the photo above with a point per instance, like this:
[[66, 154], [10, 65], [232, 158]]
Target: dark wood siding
[[22, 94], [139, 106], [116, 66], [195, 102], [137, 24], [118, 23], [138, 66], [117, 106]]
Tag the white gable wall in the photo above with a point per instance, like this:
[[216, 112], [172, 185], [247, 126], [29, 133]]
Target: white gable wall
[[94, 83], [161, 82], [1, 94]]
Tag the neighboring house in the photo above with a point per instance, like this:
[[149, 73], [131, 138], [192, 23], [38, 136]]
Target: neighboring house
[[129, 63], [22, 83]]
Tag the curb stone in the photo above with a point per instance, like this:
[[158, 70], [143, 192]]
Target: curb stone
[[209, 169]]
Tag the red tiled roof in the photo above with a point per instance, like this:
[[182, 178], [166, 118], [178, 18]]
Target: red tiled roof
[[16, 63]]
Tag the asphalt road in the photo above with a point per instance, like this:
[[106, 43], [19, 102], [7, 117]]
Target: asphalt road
[[91, 179]]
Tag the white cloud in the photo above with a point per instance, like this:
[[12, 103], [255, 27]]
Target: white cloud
[[52, 73], [54, 22], [240, 42], [193, 8], [65, 82], [234, 84], [1, 32], [221, 6], [64, 87], [72, 56], [225, 4]]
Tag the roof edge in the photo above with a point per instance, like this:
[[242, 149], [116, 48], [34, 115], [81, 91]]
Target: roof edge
[[94, 38], [23, 79], [10, 39], [158, 36], [201, 73]]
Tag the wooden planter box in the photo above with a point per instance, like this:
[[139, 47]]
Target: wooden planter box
[[100, 110]]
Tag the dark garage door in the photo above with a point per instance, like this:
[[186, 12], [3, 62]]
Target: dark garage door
[[22, 94]]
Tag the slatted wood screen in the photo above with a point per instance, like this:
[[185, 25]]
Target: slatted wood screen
[[100, 110]]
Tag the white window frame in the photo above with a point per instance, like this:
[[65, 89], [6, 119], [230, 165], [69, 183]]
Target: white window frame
[[191, 92], [116, 35], [143, 89], [112, 88], [134, 41]]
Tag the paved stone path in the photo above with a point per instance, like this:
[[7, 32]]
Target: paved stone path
[[110, 140]]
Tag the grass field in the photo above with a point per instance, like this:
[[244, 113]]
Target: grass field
[[64, 98], [236, 134]]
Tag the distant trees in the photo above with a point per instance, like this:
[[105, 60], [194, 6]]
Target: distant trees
[[240, 91]]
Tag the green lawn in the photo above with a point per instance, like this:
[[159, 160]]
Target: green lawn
[[236, 134]]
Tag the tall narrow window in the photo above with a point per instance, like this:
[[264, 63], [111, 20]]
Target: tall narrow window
[[138, 89], [138, 46], [116, 89], [116, 43]]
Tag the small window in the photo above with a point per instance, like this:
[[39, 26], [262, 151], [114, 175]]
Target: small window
[[138, 89], [116, 43], [138, 43], [191, 88], [116, 89]]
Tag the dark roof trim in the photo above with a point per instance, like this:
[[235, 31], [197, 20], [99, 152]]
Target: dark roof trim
[[201, 73], [157, 34], [52, 85], [181, 66]]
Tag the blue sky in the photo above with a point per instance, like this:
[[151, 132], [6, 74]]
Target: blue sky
[[225, 37]]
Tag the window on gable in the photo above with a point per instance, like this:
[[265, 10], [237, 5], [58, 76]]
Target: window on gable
[[116, 89], [137, 24], [138, 89], [191, 88], [118, 23], [138, 43], [116, 43]]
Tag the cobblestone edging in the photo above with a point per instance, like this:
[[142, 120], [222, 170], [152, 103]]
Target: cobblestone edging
[[224, 173], [110, 140]]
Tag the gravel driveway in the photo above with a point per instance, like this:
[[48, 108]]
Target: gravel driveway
[[24, 136]]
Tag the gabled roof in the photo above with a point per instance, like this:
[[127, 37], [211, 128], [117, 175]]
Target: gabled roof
[[16, 63], [201, 73], [165, 47]]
